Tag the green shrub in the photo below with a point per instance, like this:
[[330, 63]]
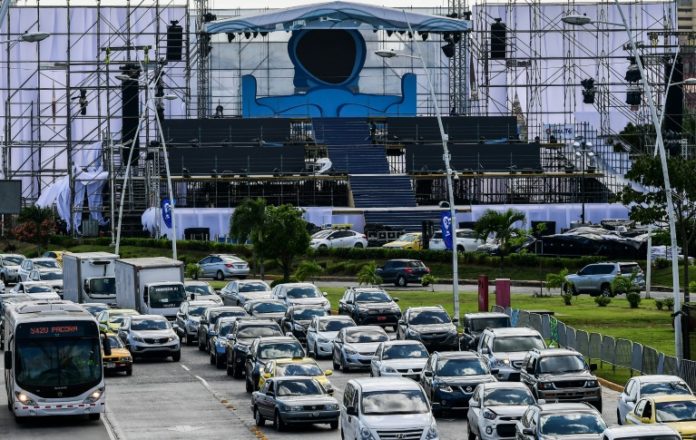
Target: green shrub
[[662, 263], [308, 270], [281, 281], [429, 280], [602, 301], [659, 304], [633, 299], [669, 303], [193, 270]]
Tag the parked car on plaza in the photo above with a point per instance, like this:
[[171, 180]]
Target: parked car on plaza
[[201, 291], [266, 349], [301, 294], [403, 271], [596, 279], [94, 308], [188, 319], [430, 325], [475, 323], [221, 266], [410, 241], [561, 375], [298, 317], [294, 401], [466, 241], [239, 341], [238, 292], [307, 367], [449, 379], [494, 409], [41, 264], [150, 335], [342, 238], [370, 305], [120, 358], [9, 267], [677, 412], [322, 331], [111, 319], [355, 346], [266, 309], [504, 349], [218, 341], [569, 421], [399, 358], [386, 408], [641, 432], [208, 320], [649, 385]]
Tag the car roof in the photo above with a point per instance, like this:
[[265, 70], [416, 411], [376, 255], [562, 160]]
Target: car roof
[[292, 378], [277, 339], [558, 352], [123, 312], [403, 259], [629, 431], [288, 361], [363, 328], [672, 398], [196, 283], [564, 407], [249, 281], [368, 384], [457, 355], [393, 342], [43, 259], [657, 378], [157, 317], [201, 302], [265, 300], [426, 308], [306, 306], [508, 385], [512, 331], [334, 318], [298, 285], [485, 315], [367, 289], [225, 308], [256, 322]]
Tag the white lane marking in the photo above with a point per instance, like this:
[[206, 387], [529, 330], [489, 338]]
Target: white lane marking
[[113, 430], [185, 367], [205, 384]]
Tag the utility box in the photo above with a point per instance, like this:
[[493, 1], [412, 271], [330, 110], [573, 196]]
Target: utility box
[[483, 293], [689, 330], [502, 292]]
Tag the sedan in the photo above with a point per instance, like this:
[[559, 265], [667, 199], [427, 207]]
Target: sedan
[[238, 292], [355, 346], [495, 407], [221, 266], [646, 386], [322, 331], [330, 238], [120, 358], [297, 319], [402, 271], [266, 309], [568, 421], [218, 342], [9, 267], [294, 400], [370, 306], [201, 290], [239, 339], [111, 319], [150, 335], [677, 412], [399, 358], [297, 367], [430, 325], [188, 319], [208, 320]]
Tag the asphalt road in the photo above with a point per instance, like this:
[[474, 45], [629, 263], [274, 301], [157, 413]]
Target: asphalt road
[[191, 398]]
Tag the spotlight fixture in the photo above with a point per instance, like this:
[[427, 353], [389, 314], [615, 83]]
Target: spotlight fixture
[[456, 37], [218, 111], [208, 17], [230, 37], [588, 91], [452, 15], [424, 35], [390, 33], [256, 34], [633, 95], [186, 173], [448, 50], [633, 72], [263, 34], [83, 101], [247, 35], [410, 35]]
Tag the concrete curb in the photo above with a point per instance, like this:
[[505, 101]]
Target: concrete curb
[[611, 385]]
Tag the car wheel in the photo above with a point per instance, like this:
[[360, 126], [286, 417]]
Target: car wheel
[[219, 362], [358, 245], [201, 346], [333, 425], [598, 405], [316, 351], [401, 281], [336, 365], [605, 290], [323, 247], [189, 341], [2, 277], [618, 417], [176, 357], [460, 249], [248, 384], [229, 370], [470, 435], [278, 424], [258, 418], [237, 372], [212, 358], [437, 412], [129, 371], [94, 417], [219, 275], [344, 366]]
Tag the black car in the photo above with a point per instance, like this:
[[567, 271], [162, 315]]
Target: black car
[[403, 271], [208, 320], [263, 350], [239, 339], [297, 319], [370, 306], [266, 309], [449, 379], [294, 400], [475, 323], [430, 325], [188, 319]]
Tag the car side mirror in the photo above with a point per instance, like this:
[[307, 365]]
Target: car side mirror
[[86, 286], [351, 411], [311, 329], [8, 360], [349, 301], [328, 372], [324, 293], [645, 420], [289, 334], [485, 350], [267, 375], [428, 373], [593, 367], [34, 275], [495, 371], [270, 394], [475, 404], [396, 300], [175, 326], [401, 322], [528, 431], [192, 296]]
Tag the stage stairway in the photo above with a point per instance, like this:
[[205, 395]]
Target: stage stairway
[[381, 191], [349, 146], [409, 220]]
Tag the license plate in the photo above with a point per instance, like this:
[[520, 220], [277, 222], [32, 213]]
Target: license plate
[[381, 318], [110, 365], [316, 413]]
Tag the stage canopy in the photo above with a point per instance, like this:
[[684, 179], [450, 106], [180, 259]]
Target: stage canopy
[[339, 15]]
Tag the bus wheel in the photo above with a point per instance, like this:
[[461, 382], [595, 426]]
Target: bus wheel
[[94, 417]]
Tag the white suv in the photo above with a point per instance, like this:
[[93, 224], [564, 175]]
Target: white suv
[[330, 238], [393, 407], [505, 349], [301, 294], [466, 241]]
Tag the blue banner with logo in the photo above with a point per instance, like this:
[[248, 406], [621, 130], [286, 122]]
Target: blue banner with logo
[[167, 212], [446, 226]]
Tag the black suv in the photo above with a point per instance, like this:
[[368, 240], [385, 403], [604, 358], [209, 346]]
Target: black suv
[[561, 375], [239, 340], [402, 271], [430, 325], [263, 350], [208, 320], [370, 306], [475, 323], [297, 319]]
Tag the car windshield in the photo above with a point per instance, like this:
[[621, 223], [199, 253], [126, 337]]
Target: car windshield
[[200, 289], [675, 411], [167, 296], [115, 341], [46, 264], [334, 325], [366, 336], [426, 317], [322, 234], [257, 331], [509, 344], [372, 297], [405, 351], [408, 237], [651, 389], [572, 424], [197, 310], [279, 350], [214, 316], [307, 314], [12, 261], [50, 276], [509, 396], [269, 308], [562, 364], [253, 287], [149, 324], [226, 328], [461, 367], [38, 289], [303, 292], [300, 370], [388, 402], [480, 324], [301, 387]]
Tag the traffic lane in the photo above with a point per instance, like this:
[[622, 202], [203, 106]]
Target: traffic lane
[[55, 428]]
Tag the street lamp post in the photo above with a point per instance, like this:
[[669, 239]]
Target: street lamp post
[[581, 20], [448, 170]]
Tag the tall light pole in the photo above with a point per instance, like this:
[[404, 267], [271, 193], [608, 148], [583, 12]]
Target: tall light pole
[[448, 169], [582, 20]]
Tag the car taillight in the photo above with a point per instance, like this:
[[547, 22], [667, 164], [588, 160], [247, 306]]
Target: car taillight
[[427, 270], [408, 270], [229, 265]]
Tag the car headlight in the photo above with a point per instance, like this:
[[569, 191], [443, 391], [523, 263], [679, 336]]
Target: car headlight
[[432, 432], [242, 347], [489, 415], [350, 351], [445, 388], [545, 385], [126, 359], [138, 339], [591, 384], [94, 396], [387, 369], [327, 305], [365, 434], [323, 339], [298, 327], [501, 362], [412, 333], [331, 407], [362, 311], [24, 399], [291, 408]]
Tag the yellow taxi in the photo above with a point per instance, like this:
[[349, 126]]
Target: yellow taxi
[[410, 240], [120, 358], [297, 367], [58, 255], [677, 412], [110, 319]]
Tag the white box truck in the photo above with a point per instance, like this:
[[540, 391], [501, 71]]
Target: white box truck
[[150, 285], [89, 277]]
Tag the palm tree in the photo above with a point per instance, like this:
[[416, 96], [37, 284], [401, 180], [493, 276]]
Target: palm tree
[[502, 226], [247, 225], [368, 275], [308, 270]]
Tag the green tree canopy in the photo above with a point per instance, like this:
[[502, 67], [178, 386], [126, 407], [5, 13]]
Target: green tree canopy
[[501, 225], [283, 236]]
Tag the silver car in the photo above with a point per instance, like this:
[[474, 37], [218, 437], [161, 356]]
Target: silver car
[[201, 290], [354, 347], [646, 386], [238, 292], [301, 294], [596, 279], [221, 266], [41, 264], [495, 407], [399, 358], [150, 335], [9, 267], [322, 331], [505, 349]]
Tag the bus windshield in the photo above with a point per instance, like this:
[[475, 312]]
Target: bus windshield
[[57, 359], [167, 296]]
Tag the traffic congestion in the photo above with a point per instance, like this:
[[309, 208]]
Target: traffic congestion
[[283, 362]]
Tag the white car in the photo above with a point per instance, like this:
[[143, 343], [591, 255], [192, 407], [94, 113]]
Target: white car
[[53, 278], [342, 238], [505, 349], [9, 267], [301, 294], [386, 408], [238, 292], [399, 358], [466, 241], [322, 331], [641, 432], [41, 264], [201, 290], [495, 407], [646, 386]]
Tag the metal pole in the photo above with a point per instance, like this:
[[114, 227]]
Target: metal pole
[[125, 185], [112, 193], [648, 264], [678, 346]]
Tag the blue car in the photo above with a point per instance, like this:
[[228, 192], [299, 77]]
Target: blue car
[[218, 341]]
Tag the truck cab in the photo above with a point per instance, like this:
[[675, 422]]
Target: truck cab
[[163, 298]]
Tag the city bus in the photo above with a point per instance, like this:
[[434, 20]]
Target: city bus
[[53, 360]]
